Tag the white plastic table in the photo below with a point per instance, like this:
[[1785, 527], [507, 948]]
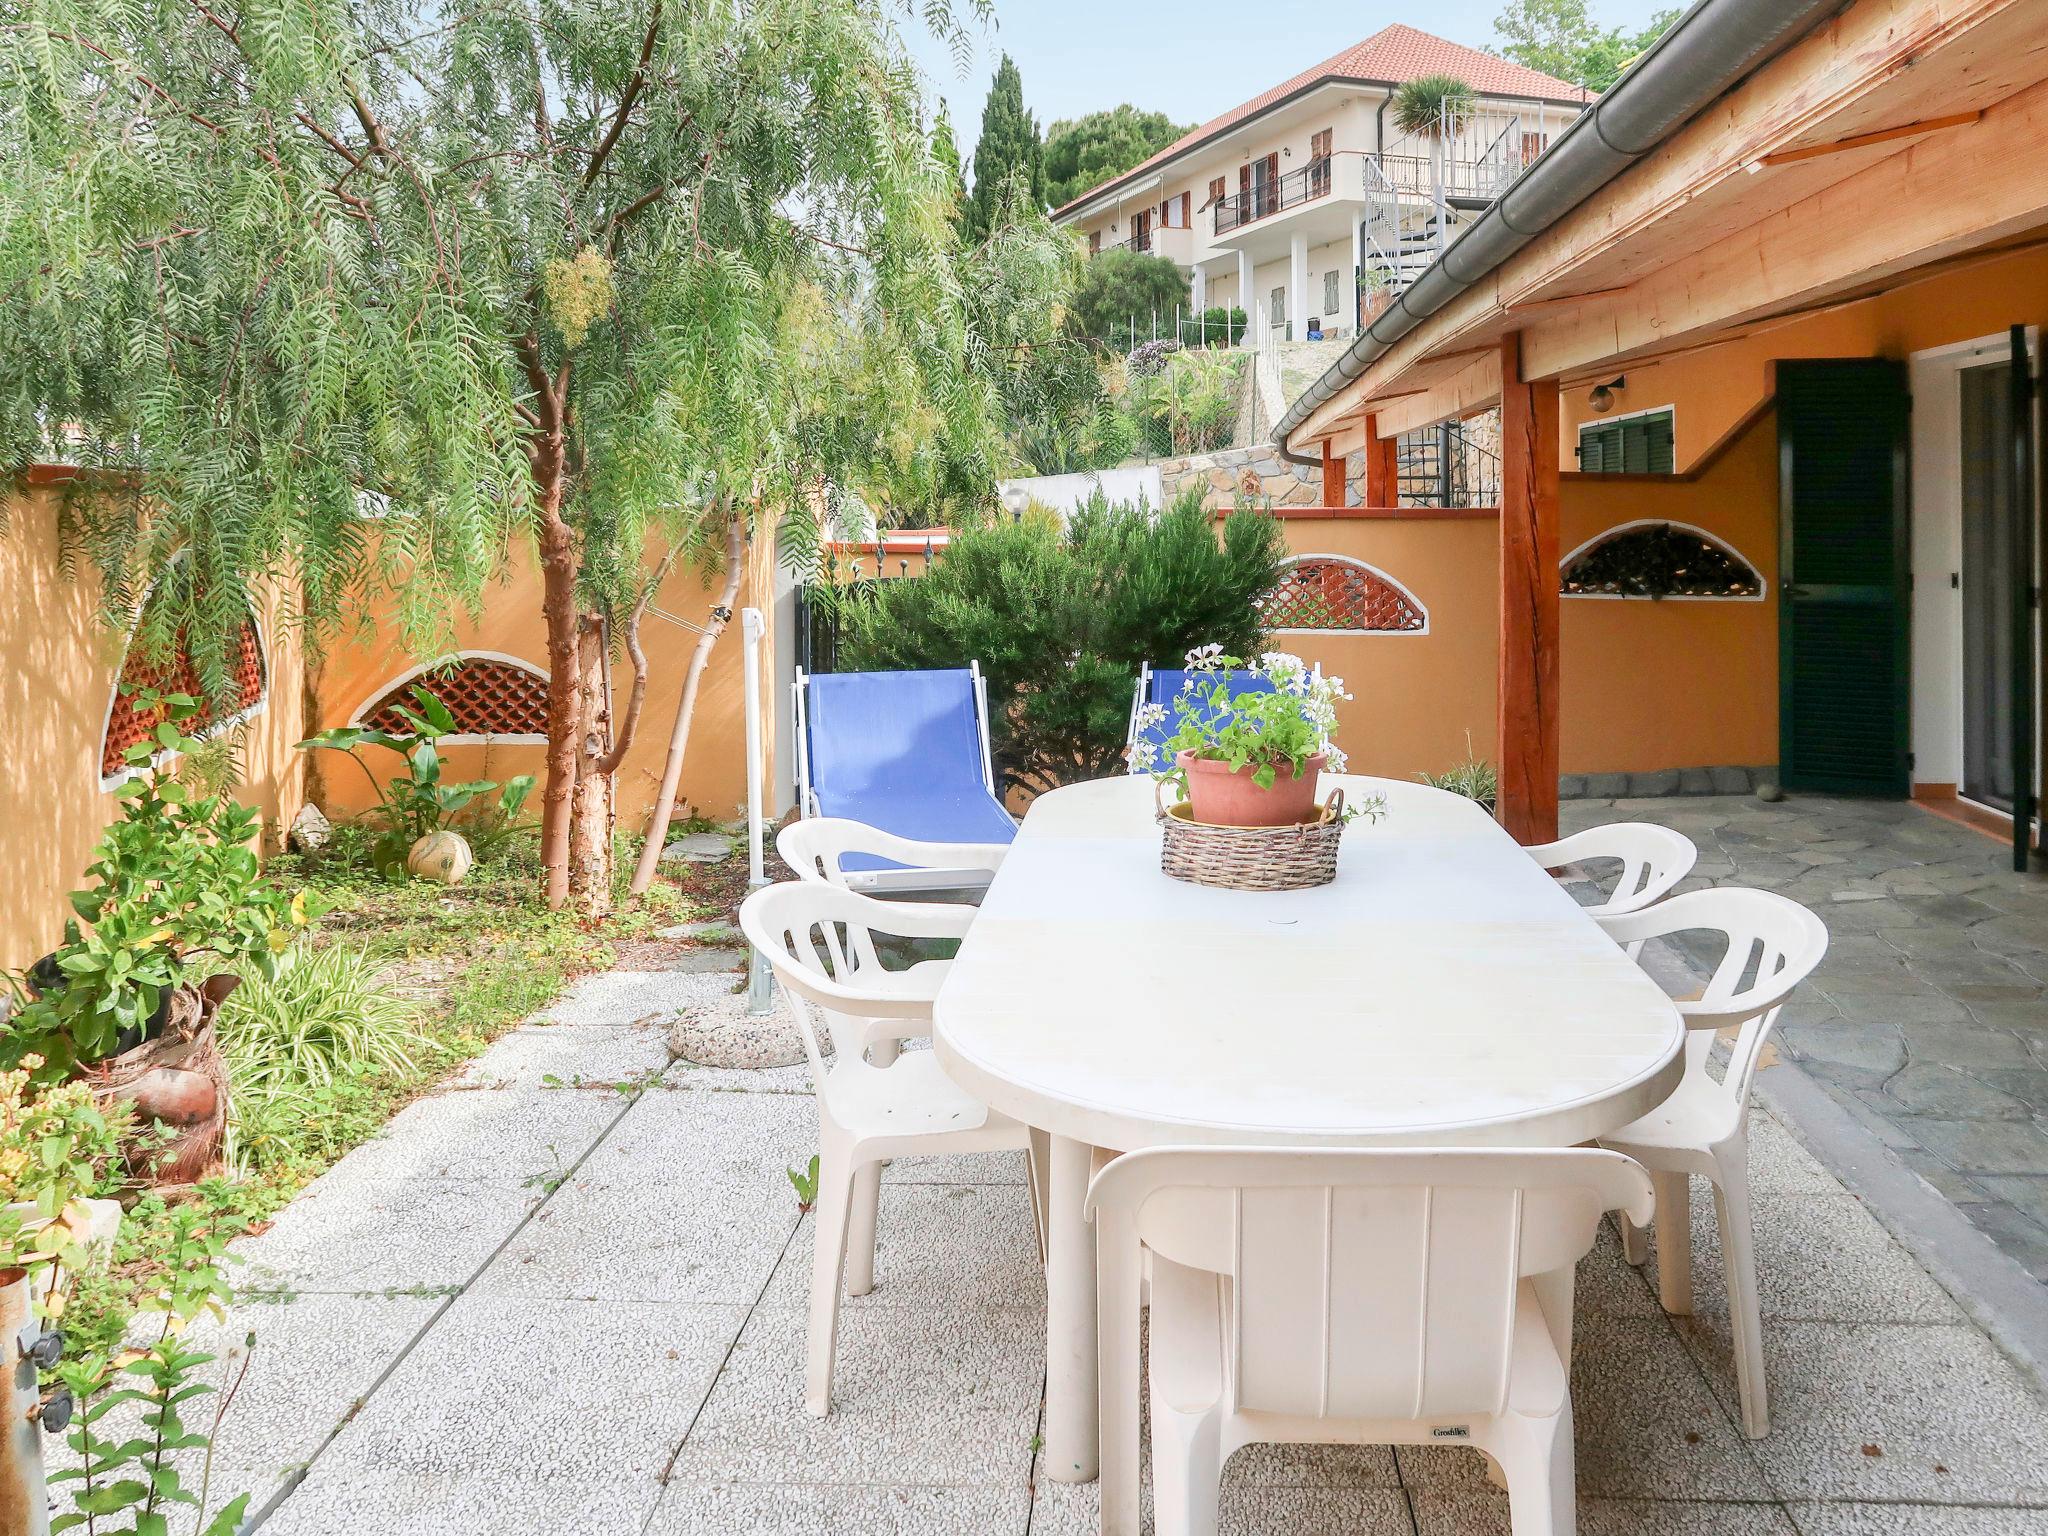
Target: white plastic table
[[1443, 991]]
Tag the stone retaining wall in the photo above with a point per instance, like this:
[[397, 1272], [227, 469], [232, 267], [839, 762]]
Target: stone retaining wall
[[1256, 473], [1663, 782]]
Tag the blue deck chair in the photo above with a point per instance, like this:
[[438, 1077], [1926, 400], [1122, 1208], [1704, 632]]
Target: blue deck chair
[[1162, 685], [906, 752]]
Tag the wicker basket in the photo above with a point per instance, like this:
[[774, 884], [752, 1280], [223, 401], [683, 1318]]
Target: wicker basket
[[1252, 858]]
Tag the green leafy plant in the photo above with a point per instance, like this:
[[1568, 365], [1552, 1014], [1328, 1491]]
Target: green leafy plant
[[129, 1482], [1268, 730], [1062, 618], [58, 1146], [1189, 403], [417, 800], [173, 882], [1474, 778], [805, 1184], [321, 1016]]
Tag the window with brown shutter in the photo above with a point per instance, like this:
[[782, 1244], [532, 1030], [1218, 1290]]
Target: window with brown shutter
[[1319, 162], [1215, 193]]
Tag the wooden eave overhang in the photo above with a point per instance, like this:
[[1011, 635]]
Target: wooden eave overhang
[[1898, 136]]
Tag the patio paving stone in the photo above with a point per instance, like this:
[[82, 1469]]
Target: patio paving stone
[[1483, 1511], [530, 1055], [1916, 1520], [921, 1396], [770, 1509], [1646, 1425], [371, 1501], [1946, 1418], [539, 1389], [688, 1200], [1829, 1261], [937, 1245]]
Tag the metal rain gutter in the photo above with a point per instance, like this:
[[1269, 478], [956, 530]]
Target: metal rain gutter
[[1706, 51]]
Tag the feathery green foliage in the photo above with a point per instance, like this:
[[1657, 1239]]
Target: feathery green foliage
[[1061, 618], [1122, 292], [1083, 153], [1008, 150], [355, 294], [1434, 106]]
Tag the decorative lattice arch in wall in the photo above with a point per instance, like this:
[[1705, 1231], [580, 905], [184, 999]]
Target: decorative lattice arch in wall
[[1336, 594], [1658, 559], [492, 697], [129, 724]]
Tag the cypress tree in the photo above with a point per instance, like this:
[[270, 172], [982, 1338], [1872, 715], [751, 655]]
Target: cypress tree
[[1009, 147]]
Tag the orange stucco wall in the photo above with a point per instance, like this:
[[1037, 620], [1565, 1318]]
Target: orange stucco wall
[[58, 665], [1674, 682], [1420, 702], [1712, 389], [714, 770]]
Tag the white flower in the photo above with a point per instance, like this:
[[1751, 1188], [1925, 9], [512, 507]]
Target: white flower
[[1204, 657]]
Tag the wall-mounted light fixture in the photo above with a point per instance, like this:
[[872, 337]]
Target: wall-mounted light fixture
[[1602, 397]]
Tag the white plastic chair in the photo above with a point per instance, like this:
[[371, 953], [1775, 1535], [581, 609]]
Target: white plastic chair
[[867, 1115], [1356, 1296], [1653, 860], [818, 847], [1773, 944]]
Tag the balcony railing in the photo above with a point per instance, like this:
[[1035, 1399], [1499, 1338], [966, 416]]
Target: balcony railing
[[1311, 181], [1137, 242]]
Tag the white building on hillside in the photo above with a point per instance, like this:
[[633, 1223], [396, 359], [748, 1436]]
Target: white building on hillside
[[1307, 194]]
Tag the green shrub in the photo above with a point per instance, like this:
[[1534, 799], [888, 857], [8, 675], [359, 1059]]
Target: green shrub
[[1189, 404], [1061, 619], [173, 884], [326, 1018], [1121, 292], [1214, 327]]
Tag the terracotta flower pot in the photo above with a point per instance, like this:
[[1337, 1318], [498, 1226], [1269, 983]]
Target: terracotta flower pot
[[1226, 798]]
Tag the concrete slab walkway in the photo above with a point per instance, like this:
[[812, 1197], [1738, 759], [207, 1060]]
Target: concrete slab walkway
[[566, 1294]]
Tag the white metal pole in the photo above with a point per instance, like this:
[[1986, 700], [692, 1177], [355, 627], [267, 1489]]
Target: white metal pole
[[760, 980]]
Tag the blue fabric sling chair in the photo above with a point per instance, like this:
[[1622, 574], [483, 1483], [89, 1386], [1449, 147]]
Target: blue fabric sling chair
[[906, 752], [1162, 686]]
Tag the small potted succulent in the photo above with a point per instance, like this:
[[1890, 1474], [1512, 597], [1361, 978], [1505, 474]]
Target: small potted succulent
[[1247, 756]]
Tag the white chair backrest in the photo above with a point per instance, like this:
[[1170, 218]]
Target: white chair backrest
[[795, 925], [1653, 860], [1773, 944], [817, 848], [1369, 1283]]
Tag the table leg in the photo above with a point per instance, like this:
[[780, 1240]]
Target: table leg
[[1071, 1403]]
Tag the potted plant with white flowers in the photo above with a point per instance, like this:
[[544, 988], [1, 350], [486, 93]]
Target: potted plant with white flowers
[[1247, 745], [1248, 739]]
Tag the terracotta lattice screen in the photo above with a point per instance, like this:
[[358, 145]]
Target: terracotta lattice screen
[[487, 697], [128, 724], [1329, 594]]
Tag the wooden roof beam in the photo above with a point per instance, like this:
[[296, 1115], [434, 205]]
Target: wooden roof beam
[[1938, 198]]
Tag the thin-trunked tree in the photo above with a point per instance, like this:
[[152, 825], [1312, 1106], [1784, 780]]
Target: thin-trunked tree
[[360, 296]]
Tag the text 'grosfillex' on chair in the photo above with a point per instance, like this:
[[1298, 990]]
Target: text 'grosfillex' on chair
[[867, 1114], [1771, 945], [906, 753], [1370, 1297]]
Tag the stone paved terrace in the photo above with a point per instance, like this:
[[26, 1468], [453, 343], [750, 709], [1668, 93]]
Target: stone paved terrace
[[1927, 1020], [534, 1307]]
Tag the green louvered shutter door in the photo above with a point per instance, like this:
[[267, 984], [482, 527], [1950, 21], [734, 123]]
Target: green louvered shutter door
[[1842, 574]]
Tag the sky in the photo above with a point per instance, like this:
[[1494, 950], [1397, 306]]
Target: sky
[[1190, 59]]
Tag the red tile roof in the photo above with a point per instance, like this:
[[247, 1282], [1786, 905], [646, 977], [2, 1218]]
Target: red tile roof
[[1391, 56]]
